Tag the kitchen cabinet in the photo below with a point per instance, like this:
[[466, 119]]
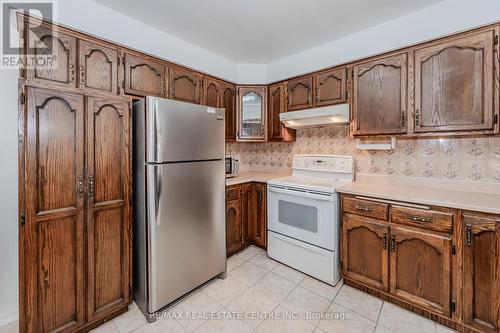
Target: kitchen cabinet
[[185, 85], [330, 87], [300, 93], [75, 198], [481, 267], [277, 104], [144, 76], [379, 101], [252, 113], [258, 224], [233, 223], [211, 93], [228, 102], [454, 81], [98, 67], [420, 268], [247, 212], [365, 255]]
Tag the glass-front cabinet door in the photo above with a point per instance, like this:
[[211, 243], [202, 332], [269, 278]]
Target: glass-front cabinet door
[[252, 120]]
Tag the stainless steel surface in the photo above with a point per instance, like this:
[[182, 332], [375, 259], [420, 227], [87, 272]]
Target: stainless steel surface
[[179, 200], [178, 131]]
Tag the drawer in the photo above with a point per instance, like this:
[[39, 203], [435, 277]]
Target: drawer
[[232, 193], [367, 208], [424, 218]]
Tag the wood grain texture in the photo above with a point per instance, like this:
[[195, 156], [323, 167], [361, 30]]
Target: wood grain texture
[[228, 102], [98, 67], [300, 93], [185, 85], [247, 213], [330, 87], [424, 218], [258, 224], [365, 251], [211, 93], [233, 226], [144, 76], [367, 208], [276, 105]]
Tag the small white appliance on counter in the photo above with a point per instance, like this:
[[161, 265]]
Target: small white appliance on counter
[[304, 215], [232, 165]]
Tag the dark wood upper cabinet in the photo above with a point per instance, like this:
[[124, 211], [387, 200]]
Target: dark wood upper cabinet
[[211, 93], [481, 269], [300, 93], [58, 51], [143, 76], [454, 81], [277, 104], [365, 255], [98, 67], [379, 101], [108, 193], [331, 87], [185, 85], [54, 201], [421, 268], [252, 113], [228, 102]]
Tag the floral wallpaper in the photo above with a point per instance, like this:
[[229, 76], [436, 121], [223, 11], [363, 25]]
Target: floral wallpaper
[[476, 159]]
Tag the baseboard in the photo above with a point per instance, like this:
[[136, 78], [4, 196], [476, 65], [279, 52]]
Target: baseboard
[[4, 320]]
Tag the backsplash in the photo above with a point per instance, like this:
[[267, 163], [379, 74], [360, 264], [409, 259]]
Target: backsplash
[[475, 159]]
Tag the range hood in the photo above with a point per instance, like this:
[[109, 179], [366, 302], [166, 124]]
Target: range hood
[[317, 117]]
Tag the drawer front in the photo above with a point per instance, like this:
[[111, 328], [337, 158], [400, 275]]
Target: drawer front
[[424, 218], [366, 208], [232, 193]]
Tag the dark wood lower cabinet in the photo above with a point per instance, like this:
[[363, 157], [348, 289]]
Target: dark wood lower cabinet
[[258, 225], [247, 212]]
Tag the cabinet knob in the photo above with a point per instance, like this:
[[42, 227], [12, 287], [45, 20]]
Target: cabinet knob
[[82, 76]]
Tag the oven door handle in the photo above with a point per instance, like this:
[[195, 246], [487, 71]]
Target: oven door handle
[[323, 197]]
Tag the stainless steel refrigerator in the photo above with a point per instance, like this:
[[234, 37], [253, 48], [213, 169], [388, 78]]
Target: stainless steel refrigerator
[[179, 200]]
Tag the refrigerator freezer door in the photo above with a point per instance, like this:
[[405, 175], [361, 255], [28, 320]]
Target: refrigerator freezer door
[[178, 131], [186, 228]]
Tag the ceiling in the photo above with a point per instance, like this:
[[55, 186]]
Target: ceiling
[[262, 31]]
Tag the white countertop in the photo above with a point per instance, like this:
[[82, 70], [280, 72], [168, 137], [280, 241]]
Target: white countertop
[[481, 197], [258, 175]]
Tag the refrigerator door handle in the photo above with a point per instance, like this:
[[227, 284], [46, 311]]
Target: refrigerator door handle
[[157, 193]]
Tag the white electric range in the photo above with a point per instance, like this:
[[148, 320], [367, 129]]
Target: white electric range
[[303, 214]]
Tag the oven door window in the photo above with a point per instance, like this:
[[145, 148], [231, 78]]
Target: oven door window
[[297, 215]]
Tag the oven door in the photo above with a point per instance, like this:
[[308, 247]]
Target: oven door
[[311, 217]]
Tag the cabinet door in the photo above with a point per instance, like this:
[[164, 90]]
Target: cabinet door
[[277, 104], [233, 226], [144, 77], [252, 114], [420, 268], [55, 52], [98, 69], [258, 225], [330, 87], [185, 85], [364, 251], [454, 84], [54, 212], [481, 271], [211, 93], [300, 93], [247, 211], [228, 102], [108, 218], [379, 96]]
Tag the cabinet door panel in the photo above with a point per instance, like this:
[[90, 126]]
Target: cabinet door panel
[[144, 77], [454, 84], [300, 93], [228, 102], [233, 227], [330, 87], [211, 93], [54, 211], [481, 271], [252, 113], [258, 225], [98, 67], [420, 268], [364, 251], [277, 104], [379, 96], [185, 85], [247, 211], [108, 204], [59, 52]]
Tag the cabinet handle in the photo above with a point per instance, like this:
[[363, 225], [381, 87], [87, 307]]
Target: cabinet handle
[[469, 234], [91, 186], [317, 94], [384, 241], [72, 73], [419, 218], [364, 209], [417, 117], [309, 97], [79, 187], [172, 91], [393, 243], [82, 76]]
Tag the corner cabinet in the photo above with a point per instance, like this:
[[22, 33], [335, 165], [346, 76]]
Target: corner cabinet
[[228, 102], [276, 105], [252, 113]]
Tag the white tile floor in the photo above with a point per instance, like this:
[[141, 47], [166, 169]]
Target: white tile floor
[[292, 302]]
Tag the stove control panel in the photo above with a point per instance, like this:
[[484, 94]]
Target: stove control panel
[[330, 163]]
